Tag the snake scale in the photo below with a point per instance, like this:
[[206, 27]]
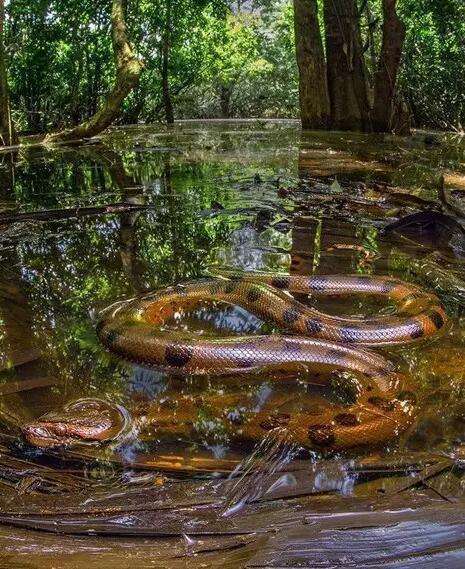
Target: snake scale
[[385, 406]]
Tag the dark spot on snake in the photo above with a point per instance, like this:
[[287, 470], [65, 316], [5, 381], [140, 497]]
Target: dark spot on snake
[[288, 346], [179, 289], [274, 421], [389, 286], [407, 396], [280, 282], [313, 325], [321, 435], [214, 288], [416, 330], [335, 356], [290, 316], [245, 363], [254, 294], [382, 403], [346, 419], [318, 284], [99, 326], [177, 356], [363, 279], [112, 337], [436, 318], [349, 334], [230, 287]]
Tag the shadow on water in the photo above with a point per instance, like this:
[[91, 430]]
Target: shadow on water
[[145, 207]]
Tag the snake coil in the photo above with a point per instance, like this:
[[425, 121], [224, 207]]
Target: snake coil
[[385, 406]]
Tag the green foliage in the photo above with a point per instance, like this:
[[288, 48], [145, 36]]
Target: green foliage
[[269, 87], [432, 75], [187, 25], [60, 61], [251, 69], [76, 268], [224, 59]]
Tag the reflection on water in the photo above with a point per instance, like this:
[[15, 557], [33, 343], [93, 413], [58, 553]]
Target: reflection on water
[[148, 207]]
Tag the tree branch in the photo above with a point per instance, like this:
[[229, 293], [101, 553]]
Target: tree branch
[[128, 70]]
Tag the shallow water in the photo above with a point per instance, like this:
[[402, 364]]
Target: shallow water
[[149, 206]]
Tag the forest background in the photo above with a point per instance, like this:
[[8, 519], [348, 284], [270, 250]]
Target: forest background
[[73, 67]]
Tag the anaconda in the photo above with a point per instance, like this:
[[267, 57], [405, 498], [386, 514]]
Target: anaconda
[[134, 330]]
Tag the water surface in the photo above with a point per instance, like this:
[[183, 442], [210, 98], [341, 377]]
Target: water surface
[[144, 207]]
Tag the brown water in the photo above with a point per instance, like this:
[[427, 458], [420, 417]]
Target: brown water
[[149, 206]]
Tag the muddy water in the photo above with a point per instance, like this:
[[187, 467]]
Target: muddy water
[[146, 207]]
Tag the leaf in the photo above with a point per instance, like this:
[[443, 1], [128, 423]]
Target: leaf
[[336, 187]]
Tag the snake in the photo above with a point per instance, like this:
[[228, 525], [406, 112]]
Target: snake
[[136, 330]]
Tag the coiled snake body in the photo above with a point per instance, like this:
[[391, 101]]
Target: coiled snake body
[[385, 406]]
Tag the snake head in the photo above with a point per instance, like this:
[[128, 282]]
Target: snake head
[[82, 421]]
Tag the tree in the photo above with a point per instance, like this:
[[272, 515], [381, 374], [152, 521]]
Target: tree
[[236, 55], [434, 51], [165, 60], [347, 84], [128, 70], [313, 87], [388, 67], [7, 130], [174, 38], [210, 58]]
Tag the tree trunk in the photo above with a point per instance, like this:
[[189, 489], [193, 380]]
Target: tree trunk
[[132, 115], [388, 66], [7, 130], [372, 24], [225, 100], [75, 103], [128, 70], [313, 87], [347, 85], [165, 59], [154, 114]]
